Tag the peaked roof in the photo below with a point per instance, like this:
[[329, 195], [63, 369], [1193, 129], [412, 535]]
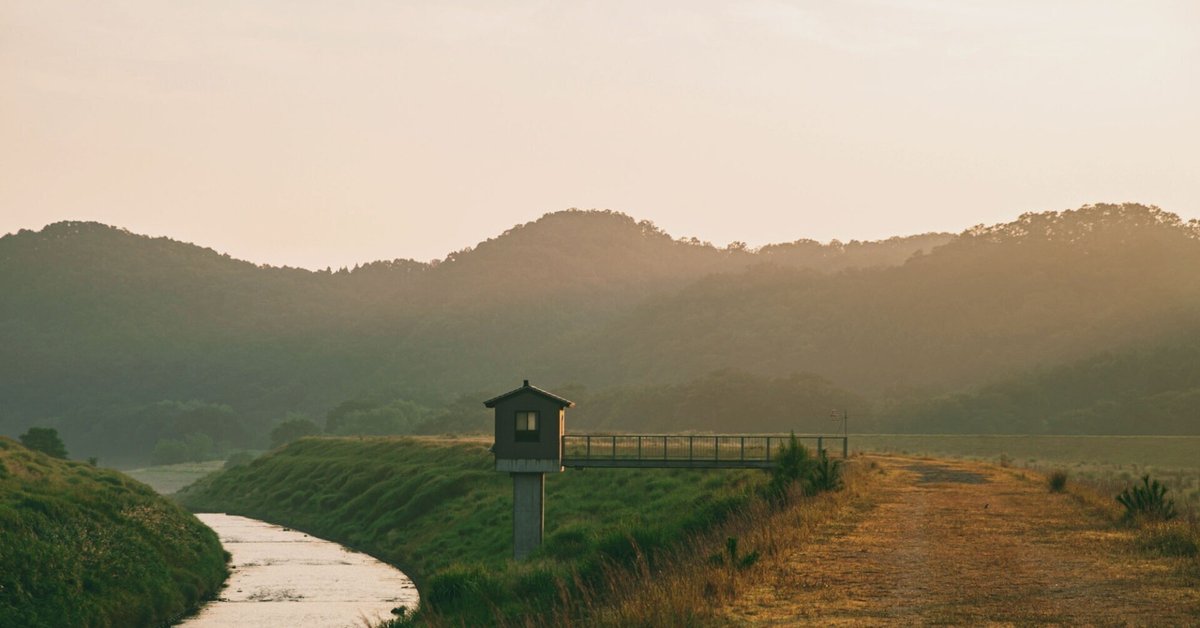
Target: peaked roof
[[566, 403]]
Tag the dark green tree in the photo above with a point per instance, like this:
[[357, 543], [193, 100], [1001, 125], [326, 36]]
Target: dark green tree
[[45, 440]]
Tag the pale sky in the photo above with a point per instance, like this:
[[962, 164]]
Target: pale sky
[[318, 134]]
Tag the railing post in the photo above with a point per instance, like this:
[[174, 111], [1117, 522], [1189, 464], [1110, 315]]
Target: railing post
[[845, 447], [716, 448], [664, 447], [820, 445], [639, 447], [614, 451], [588, 446], [768, 449], [743, 450], [690, 438]]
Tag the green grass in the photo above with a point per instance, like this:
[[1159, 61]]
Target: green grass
[[439, 511], [82, 546]]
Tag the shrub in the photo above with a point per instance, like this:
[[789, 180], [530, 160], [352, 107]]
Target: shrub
[[826, 474], [792, 465], [732, 557], [795, 465], [45, 440], [1148, 500], [1169, 539], [1058, 481]]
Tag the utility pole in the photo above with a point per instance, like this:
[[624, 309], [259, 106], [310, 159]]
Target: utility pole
[[844, 416]]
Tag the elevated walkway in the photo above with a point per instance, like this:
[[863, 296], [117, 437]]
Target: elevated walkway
[[685, 451]]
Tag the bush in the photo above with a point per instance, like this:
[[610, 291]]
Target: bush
[[792, 465], [1058, 481], [1169, 539], [826, 474], [1147, 501], [732, 558], [45, 440], [795, 466]]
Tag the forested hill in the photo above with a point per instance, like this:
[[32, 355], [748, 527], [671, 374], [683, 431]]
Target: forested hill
[[1151, 390], [122, 340], [1044, 289]]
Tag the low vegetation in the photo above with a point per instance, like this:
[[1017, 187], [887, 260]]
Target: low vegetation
[[83, 546], [45, 440], [1057, 481], [1147, 501], [438, 510]]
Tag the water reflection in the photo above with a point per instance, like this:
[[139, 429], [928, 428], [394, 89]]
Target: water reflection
[[281, 577]]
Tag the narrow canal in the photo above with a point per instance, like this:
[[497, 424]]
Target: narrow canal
[[283, 578]]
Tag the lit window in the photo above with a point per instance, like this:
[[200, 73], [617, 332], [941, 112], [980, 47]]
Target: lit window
[[527, 426]]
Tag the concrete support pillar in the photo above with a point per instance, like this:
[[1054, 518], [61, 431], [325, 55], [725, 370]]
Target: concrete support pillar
[[529, 491]]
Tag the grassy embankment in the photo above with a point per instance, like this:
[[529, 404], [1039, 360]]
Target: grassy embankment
[[83, 546], [439, 511]]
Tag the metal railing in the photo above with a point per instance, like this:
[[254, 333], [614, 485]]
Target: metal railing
[[683, 450]]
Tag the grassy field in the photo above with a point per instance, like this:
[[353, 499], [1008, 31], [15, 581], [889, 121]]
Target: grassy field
[[438, 510], [1108, 461], [83, 546]]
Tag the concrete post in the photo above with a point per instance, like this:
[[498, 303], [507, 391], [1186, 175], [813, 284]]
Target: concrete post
[[529, 491]]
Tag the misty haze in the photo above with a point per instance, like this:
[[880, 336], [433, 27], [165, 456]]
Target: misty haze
[[747, 313]]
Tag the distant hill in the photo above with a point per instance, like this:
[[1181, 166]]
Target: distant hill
[[1152, 390], [1042, 290], [122, 340]]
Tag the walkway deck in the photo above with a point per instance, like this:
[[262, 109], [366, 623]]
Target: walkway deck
[[689, 451]]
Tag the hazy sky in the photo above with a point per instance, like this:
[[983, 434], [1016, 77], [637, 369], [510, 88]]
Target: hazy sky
[[327, 133]]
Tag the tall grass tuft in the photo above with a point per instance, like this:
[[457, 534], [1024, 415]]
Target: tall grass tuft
[[1058, 481], [1147, 501]]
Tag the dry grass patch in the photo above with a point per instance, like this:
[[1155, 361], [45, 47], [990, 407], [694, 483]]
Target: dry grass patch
[[966, 543], [699, 583]]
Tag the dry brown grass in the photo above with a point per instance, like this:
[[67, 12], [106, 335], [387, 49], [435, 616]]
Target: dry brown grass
[[1177, 540], [969, 543], [693, 589]]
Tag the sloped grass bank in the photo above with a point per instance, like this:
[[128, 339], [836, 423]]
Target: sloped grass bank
[[438, 510], [82, 546]]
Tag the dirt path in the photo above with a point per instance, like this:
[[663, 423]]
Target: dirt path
[[952, 542]]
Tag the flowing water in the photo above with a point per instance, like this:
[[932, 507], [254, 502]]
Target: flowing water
[[283, 578]]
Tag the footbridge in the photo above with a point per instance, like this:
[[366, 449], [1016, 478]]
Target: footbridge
[[685, 451], [532, 440]]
